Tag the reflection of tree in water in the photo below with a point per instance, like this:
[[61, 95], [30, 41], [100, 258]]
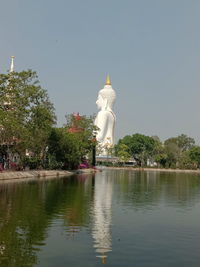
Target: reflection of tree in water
[[78, 198], [181, 188], [138, 188], [102, 216], [148, 188], [20, 229], [26, 213]]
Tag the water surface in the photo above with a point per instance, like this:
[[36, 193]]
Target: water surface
[[116, 217]]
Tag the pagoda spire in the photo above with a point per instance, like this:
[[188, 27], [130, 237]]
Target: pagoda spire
[[108, 82], [12, 64]]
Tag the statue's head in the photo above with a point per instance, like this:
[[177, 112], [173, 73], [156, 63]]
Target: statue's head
[[106, 98]]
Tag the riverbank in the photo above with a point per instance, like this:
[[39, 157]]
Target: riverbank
[[12, 175], [8, 175], [156, 169]]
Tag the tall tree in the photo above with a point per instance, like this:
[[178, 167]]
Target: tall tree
[[194, 155], [69, 145], [141, 147], [176, 148], [26, 113], [84, 130], [123, 153], [63, 149]]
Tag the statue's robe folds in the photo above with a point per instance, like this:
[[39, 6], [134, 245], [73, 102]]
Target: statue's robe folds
[[105, 121]]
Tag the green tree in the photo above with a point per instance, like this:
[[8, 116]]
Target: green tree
[[172, 152], [185, 162], [84, 131], [63, 149], [141, 147], [26, 113], [122, 153], [194, 155], [160, 155], [176, 148], [69, 145], [185, 142]]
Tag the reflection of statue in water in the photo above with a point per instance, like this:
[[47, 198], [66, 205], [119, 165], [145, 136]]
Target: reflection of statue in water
[[105, 119], [102, 215]]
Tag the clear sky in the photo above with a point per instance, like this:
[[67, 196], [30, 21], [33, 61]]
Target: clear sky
[[150, 48]]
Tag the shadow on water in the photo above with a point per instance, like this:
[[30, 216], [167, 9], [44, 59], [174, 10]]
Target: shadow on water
[[84, 203]]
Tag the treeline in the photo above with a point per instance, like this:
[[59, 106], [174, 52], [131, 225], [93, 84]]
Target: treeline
[[28, 136], [175, 152]]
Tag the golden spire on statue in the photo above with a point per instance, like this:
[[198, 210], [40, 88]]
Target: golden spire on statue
[[108, 82]]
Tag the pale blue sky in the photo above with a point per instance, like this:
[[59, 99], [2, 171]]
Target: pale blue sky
[[150, 48]]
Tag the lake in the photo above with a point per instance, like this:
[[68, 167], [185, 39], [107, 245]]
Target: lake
[[114, 217]]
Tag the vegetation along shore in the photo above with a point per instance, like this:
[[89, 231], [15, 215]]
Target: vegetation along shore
[[30, 139]]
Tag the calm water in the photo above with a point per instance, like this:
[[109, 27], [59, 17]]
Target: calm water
[[117, 217]]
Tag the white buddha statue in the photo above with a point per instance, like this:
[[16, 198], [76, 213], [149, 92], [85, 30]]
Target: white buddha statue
[[105, 119]]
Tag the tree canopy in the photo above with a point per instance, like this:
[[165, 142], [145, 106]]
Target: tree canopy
[[69, 145], [140, 146], [175, 152], [26, 113]]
